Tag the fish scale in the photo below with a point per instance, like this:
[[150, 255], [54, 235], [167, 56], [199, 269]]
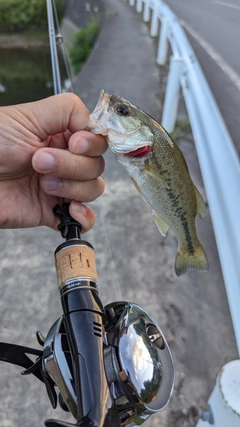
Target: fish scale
[[158, 170]]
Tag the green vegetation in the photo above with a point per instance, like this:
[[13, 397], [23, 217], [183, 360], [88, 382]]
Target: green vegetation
[[180, 126], [21, 15], [82, 44]]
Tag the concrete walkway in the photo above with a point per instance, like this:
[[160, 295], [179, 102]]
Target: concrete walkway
[[123, 61]]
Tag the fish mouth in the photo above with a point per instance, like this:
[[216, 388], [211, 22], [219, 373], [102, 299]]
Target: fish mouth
[[121, 149], [140, 152], [101, 121], [100, 116]]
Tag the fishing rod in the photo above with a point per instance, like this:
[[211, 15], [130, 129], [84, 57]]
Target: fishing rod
[[56, 40], [117, 391], [107, 388], [111, 365], [53, 49]]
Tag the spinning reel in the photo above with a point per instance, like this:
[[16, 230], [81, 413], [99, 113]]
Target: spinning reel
[[111, 365]]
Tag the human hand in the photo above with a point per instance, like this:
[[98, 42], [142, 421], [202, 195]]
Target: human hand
[[46, 156]]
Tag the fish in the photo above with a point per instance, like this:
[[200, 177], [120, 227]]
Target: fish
[[158, 170]]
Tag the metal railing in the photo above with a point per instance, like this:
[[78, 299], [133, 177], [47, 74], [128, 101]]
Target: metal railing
[[217, 155]]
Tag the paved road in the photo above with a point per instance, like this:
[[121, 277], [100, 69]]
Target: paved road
[[82, 12], [214, 32]]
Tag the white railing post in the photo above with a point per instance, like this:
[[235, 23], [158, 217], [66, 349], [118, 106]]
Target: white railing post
[[131, 2], [163, 44], [224, 402], [154, 23], [139, 6], [146, 11], [171, 100]]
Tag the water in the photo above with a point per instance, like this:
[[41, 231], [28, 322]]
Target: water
[[26, 75]]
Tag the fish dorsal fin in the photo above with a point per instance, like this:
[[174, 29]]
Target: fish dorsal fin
[[200, 203], [161, 225], [155, 174]]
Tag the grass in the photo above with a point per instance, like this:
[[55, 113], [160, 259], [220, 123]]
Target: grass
[[180, 126], [82, 44]]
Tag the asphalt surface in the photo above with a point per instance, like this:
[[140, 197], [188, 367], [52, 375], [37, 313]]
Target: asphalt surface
[[213, 30], [192, 310], [80, 13]]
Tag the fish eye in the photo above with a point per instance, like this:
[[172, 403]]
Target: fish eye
[[122, 110]]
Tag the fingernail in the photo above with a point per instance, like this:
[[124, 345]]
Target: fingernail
[[51, 183], [44, 161], [80, 146], [78, 207]]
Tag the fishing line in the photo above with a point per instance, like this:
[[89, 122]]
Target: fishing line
[[56, 75], [110, 250]]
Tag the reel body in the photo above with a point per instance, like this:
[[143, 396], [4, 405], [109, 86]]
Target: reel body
[[137, 365]]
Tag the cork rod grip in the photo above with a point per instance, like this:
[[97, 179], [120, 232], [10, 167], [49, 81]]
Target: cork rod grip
[[75, 261]]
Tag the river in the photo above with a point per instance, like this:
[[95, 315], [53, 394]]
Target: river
[[26, 74]]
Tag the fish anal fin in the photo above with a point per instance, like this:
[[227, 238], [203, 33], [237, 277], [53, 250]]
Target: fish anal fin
[[186, 260], [161, 225], [155, 174], [200, 203]]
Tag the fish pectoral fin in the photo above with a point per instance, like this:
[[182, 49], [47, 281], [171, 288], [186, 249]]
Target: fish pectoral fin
[[201, 208], [155, 174], [161, 225], [139, 190]]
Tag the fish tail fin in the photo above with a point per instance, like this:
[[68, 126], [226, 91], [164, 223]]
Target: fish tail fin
[[190, 259]]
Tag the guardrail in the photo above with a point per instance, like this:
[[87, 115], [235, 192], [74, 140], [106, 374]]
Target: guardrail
[[217, 155]]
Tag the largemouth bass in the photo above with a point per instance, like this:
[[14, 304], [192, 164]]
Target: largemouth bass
[[158, 170]]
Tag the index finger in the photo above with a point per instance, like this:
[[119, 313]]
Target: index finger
[[88, 144], [53, 115]]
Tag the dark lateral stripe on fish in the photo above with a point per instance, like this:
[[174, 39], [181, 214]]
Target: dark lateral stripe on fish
[[187, 233]]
